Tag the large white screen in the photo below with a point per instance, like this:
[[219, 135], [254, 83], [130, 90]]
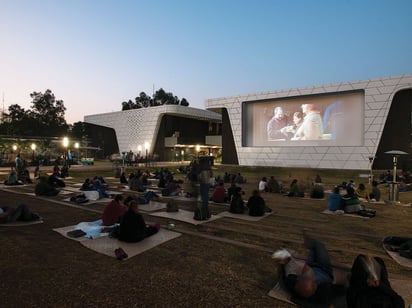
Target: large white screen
[[314, 120]]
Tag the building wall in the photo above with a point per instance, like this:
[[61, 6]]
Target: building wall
[[378, 98], [137, 127]]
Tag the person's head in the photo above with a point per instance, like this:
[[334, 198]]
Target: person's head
[[264, 179], [255, 193], [127, 200], [306, 108], [278, 112], [374, 183], [134, 206], [350, 190], [294, 181], [118, 198], [336, 190], [297, 117], [361, 186], [305, 286], [238, 190]]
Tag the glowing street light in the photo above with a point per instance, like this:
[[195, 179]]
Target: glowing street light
[[77, 146], [33, 148], [14, 147], [65, 145]]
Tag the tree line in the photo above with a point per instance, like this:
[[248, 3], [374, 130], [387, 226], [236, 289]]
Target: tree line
[[46, 115], [160, 97]]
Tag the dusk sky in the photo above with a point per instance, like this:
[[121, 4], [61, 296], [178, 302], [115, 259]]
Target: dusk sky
[[95, 54]]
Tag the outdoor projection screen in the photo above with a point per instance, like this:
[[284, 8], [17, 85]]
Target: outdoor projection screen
[[335, 119]]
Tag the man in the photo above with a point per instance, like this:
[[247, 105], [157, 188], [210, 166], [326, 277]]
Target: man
[[315, 278], [312, 127], [275, 124]]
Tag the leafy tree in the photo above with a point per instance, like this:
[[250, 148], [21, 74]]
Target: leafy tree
[[49, 113], [184, 102], [160, 97]]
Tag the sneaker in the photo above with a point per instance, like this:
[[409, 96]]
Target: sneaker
[[281, 256], [118, 254], [123, 253]]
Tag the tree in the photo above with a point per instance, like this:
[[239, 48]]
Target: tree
[[160, 97], [49, 113], [184, 102]]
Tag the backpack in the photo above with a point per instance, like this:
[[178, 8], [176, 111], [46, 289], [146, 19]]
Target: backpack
[[202, 213]]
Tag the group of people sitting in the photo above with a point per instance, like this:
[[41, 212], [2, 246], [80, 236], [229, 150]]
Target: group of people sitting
[[98, 184], [351, 201], [131, 226], [255, 206]]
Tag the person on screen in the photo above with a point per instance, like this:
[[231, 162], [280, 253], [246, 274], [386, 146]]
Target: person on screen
[[275, 124], [290, 130], [312, 127]]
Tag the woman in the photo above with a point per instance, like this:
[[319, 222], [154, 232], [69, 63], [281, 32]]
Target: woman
[[362, 192], [237, 205], [133, 227], [257, 205], [335, 200], [113, 211]]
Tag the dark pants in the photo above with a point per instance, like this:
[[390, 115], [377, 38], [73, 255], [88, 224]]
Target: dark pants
[[22, 212]]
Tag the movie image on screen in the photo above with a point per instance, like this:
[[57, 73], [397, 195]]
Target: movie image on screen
[[313, 120]]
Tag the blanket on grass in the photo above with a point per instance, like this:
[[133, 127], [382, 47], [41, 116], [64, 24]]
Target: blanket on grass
[[107, 245], [244, 216], [183, 215], [341, 213]]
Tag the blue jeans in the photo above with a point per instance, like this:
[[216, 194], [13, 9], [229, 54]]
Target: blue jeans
[[318, 259]]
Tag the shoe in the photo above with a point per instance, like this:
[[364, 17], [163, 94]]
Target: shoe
[[281, 256], [118, 254], [123, 253]]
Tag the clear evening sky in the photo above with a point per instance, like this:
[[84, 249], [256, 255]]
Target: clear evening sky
[[94, 54]]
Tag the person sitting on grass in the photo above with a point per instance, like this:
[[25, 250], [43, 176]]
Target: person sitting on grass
[[13, 179], [335, 202], [113, 211], [256, 204], [20, 213], [362, 192], [43, 187], [133, 228], [219, 194], [237, 206], [317, 191], [375, 194], [351, 202], [295, 190]]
